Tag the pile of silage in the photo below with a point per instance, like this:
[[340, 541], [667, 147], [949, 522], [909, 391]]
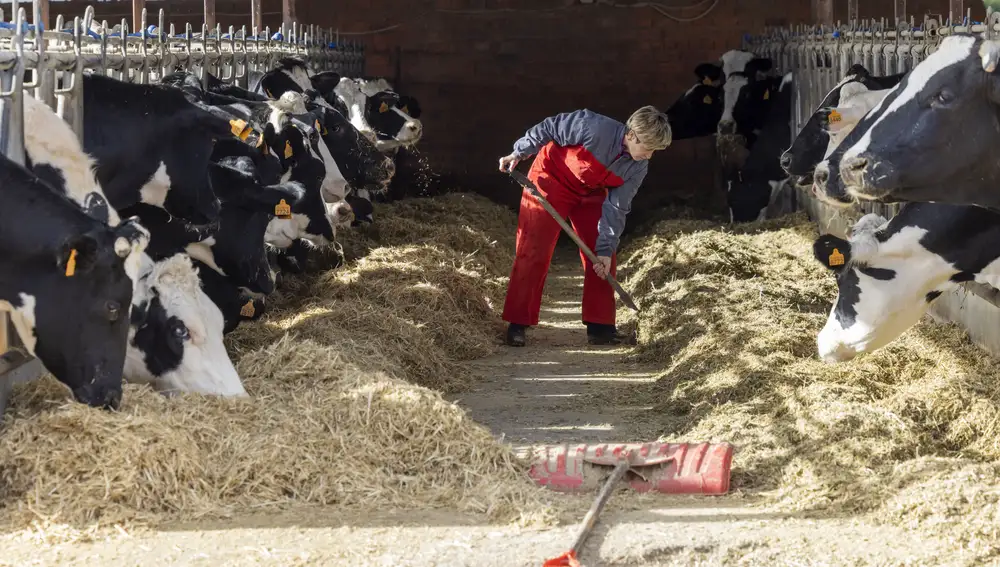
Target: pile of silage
[[732, 314], [337, 414]]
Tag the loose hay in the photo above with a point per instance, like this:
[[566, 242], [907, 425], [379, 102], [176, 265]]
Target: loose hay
[[732, 316], [335, 416]]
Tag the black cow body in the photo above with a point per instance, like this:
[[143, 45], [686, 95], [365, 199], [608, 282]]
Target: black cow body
[[750, 188], [151, 145]]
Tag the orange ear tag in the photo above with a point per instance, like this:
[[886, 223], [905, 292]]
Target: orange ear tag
[[282, 210], [836, 258], [71, 263], [247, 310]]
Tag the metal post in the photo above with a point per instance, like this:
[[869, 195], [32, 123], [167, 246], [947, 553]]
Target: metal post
[[957, 11], [287, 13], [44, 7], [255, 23], [209, 14], [137, 7], [852, 10], [900, 12]]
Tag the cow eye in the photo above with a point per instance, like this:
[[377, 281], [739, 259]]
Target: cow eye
[[944, 97], [113, 310], [180, 331]]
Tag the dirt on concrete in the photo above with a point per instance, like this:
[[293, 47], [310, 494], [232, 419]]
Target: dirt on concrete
[[545, 392]]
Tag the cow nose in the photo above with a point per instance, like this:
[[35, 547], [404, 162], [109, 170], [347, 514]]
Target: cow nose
[[390, 167], [727, 127], [821, 176], [786, 161], [370, 135], [412, 126], [854, 164]]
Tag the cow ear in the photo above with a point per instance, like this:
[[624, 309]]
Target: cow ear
[[278, 200], [325, 82], [251, 308], [859, 71], [832, 252], [410, 106], [708, 73], [78, 255]]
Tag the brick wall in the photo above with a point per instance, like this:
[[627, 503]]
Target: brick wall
[[483, 79]]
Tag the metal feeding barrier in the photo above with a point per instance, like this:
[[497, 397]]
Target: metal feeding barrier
[[819, 56], [58, 58]]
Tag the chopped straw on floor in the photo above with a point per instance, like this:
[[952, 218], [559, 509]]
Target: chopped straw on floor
[[344, 372], [909, 434]]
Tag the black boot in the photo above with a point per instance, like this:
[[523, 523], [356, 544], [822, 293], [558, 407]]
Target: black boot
[[598, 334], [515, 335]]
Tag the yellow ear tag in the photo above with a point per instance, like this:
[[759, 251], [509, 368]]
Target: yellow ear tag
[[405, 109], [707, 99], [318, 127], [767, 94], [706, 81], [282, 210], [836, 258], [834, 117], [247, 310], [288, 149], [238, 127], [383, 108], [71, 263]]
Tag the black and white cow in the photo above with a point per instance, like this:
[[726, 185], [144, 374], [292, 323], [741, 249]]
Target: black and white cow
[[286, 139], [755, 184], [811, 144], [889, 272], [696, 113], [187, 352], [933, 136], [855, 103], [63, 281], [151, 145], [176, 333]]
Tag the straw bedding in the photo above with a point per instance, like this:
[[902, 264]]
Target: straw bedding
[[343, 372], [909, 434]]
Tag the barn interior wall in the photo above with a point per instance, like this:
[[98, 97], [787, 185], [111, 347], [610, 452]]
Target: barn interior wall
[[483, 79]]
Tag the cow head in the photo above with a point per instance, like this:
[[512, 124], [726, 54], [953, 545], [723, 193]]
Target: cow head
[[237, 250], [70, 306], [932, 136], [885, 280], [176, 333], [696, 113], [394, 127], [360, 162], [310, 219]]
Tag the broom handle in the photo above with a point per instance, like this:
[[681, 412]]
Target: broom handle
[[595, 509]]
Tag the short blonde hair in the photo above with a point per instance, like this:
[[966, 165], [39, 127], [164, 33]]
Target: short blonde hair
[[651, 126]]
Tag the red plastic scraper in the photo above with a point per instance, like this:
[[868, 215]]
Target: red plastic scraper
[[671, 468]]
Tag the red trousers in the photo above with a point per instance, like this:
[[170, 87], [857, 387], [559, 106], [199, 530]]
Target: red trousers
[[538, 232]]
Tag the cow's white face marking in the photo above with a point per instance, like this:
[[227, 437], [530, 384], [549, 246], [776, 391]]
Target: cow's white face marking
[[731, 93], [952, 50], [205, 366], [154, 192], [411, 130], [885, 308], [23, 318], [735, 60], [334, 184]]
